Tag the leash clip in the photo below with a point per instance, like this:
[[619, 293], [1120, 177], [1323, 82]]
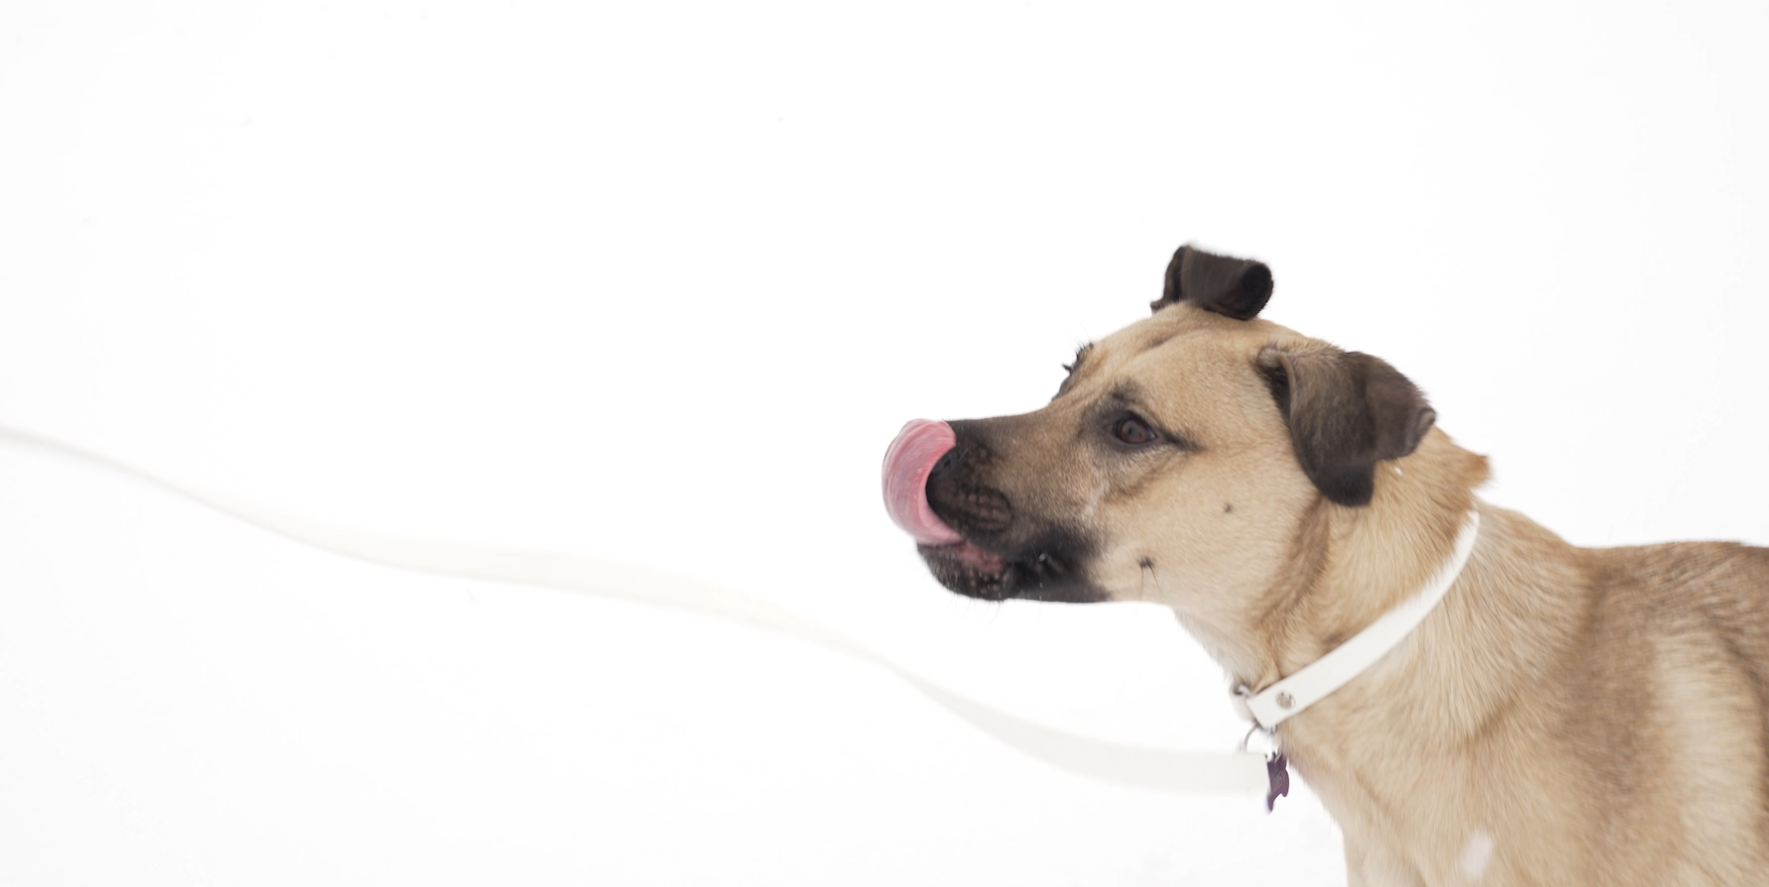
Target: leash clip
[[1277, 768], [1270, 737]]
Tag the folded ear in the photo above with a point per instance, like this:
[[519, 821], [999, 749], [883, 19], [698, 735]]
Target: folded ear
[[1346, 412], [1235, 287]]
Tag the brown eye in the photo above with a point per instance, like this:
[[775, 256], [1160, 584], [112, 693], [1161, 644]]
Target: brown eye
[[1132, 430]]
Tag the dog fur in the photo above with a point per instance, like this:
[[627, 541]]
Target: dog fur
[[1566, 716]]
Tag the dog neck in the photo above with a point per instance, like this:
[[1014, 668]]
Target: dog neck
[[1296, 692], [1350, 565]]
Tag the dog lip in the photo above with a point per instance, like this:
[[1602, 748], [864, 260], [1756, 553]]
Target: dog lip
[[1045, 571], [972, 554], [969, 569]]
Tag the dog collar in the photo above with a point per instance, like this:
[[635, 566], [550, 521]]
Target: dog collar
[[1317, 680]]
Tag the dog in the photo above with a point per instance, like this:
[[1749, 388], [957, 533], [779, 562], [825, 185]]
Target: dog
[[1563, 716]]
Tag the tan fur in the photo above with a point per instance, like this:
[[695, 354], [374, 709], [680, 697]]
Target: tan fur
[[1598, 715]]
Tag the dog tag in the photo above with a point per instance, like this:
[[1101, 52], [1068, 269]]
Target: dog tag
[[1278, 771]]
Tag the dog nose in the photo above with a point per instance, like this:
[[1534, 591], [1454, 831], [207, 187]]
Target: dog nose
[[956, 496], [907, 462]]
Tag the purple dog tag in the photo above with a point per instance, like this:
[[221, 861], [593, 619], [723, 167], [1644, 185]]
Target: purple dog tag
[[1278, 771]]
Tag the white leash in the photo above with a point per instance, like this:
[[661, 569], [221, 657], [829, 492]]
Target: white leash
[[1238, 772]]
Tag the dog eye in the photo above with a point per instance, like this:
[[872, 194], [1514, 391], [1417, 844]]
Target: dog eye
[[1132, 430]]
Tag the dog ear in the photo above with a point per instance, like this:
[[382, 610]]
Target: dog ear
[[1238, 288], [1346, 412]]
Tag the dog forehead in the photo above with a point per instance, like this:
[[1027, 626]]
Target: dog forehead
[[1183, 340], [1196, 371]]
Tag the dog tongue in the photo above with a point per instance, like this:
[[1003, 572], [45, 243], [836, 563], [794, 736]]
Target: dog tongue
[[912, 455]]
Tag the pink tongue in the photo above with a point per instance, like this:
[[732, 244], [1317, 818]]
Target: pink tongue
[[912, 455]]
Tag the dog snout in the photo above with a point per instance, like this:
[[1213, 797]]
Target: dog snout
[[958, 495]]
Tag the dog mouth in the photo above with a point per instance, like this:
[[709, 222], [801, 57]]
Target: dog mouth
[[959, 564], [973, 571], [968, 569], [1039, 572]]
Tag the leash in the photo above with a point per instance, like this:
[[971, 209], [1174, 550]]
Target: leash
[[1142, 767]]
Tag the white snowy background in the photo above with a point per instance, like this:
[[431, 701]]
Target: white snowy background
[[657, 283]]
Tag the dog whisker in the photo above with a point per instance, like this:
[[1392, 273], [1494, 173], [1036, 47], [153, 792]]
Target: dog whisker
[[1148, 572]]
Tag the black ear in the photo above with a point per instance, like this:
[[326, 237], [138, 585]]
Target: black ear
[[1346, 412], [1238, 288]]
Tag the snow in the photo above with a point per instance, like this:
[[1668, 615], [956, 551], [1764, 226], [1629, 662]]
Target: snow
[[598, 278]]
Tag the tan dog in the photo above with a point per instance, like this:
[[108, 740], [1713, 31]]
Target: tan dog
[[1564, 716]]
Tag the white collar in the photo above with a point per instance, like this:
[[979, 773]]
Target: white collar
[[1317, 680]]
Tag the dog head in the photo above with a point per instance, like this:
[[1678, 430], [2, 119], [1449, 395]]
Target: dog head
[[1175, 463]]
